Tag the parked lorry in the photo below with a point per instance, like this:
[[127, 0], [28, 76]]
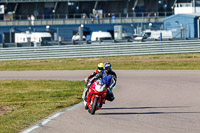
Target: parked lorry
[[34, 37], [95, 36], [100, 36], [155, 35]]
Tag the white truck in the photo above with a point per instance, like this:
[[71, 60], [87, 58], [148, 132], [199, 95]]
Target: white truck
[[34, 37], [77, 37], [100, 35], [154, 35]]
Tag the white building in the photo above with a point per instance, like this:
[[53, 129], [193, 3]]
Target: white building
[[186, 8]]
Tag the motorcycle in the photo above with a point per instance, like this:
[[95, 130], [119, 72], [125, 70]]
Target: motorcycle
[[96, 96]]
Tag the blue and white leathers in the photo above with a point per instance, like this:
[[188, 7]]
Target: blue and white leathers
[[110, 79]]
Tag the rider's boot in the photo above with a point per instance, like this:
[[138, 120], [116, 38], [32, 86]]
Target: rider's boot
[[110, 97], [84, 93]]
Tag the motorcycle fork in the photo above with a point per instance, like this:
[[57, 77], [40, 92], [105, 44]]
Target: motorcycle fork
[[99, 101]]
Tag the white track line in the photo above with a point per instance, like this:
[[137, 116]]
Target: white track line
[[46, 120]]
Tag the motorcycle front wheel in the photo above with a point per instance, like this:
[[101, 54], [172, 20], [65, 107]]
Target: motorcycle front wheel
[[94, 106]]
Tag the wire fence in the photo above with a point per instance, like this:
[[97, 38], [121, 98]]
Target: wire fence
[[100, 49]]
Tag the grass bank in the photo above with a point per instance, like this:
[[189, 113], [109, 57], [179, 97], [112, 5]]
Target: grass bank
[[23, 102], [156, 62]]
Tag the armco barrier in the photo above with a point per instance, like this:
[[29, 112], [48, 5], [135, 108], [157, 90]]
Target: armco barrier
[[97, 50]]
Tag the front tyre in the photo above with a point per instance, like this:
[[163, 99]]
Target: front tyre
[[94, 106]]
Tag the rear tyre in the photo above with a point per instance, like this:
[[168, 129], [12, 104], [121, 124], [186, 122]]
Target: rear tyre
[[94, 105]]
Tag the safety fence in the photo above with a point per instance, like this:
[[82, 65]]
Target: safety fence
[[100, 49], [82, 18], [89, 16], [81, 21]]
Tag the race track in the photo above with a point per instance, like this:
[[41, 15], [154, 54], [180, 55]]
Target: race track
[[147, 101]]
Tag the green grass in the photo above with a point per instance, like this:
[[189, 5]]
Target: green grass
[[31, 100], [158, 62]]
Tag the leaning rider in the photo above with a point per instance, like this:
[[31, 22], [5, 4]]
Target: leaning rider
[[89, 80], [111, 78]]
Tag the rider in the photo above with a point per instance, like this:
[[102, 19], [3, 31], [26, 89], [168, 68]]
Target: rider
[[99, 70], [111, 78], [90, 78]]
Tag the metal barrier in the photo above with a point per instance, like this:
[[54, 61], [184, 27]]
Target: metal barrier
[[82, 21], [99, 50], [57, 19], [89, 16]]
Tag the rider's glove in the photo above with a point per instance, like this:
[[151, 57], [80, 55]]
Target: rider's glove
[[99, 75]]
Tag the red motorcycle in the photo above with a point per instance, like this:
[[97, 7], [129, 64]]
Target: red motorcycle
[[96, 96]]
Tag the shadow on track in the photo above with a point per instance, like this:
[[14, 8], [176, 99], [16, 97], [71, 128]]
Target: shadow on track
[[117, 108], [145, 113]]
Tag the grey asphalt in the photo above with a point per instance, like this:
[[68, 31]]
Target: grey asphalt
[[50, 75], [147, 101]]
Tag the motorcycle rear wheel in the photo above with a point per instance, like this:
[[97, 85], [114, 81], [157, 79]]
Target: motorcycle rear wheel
[[94, 106]]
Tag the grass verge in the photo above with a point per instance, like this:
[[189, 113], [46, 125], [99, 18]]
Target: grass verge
[[23, 102], [157, 62]]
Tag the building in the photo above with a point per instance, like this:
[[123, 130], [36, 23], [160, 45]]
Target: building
[[185, 21], [132, 14], [183, 25], [47, 8]]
